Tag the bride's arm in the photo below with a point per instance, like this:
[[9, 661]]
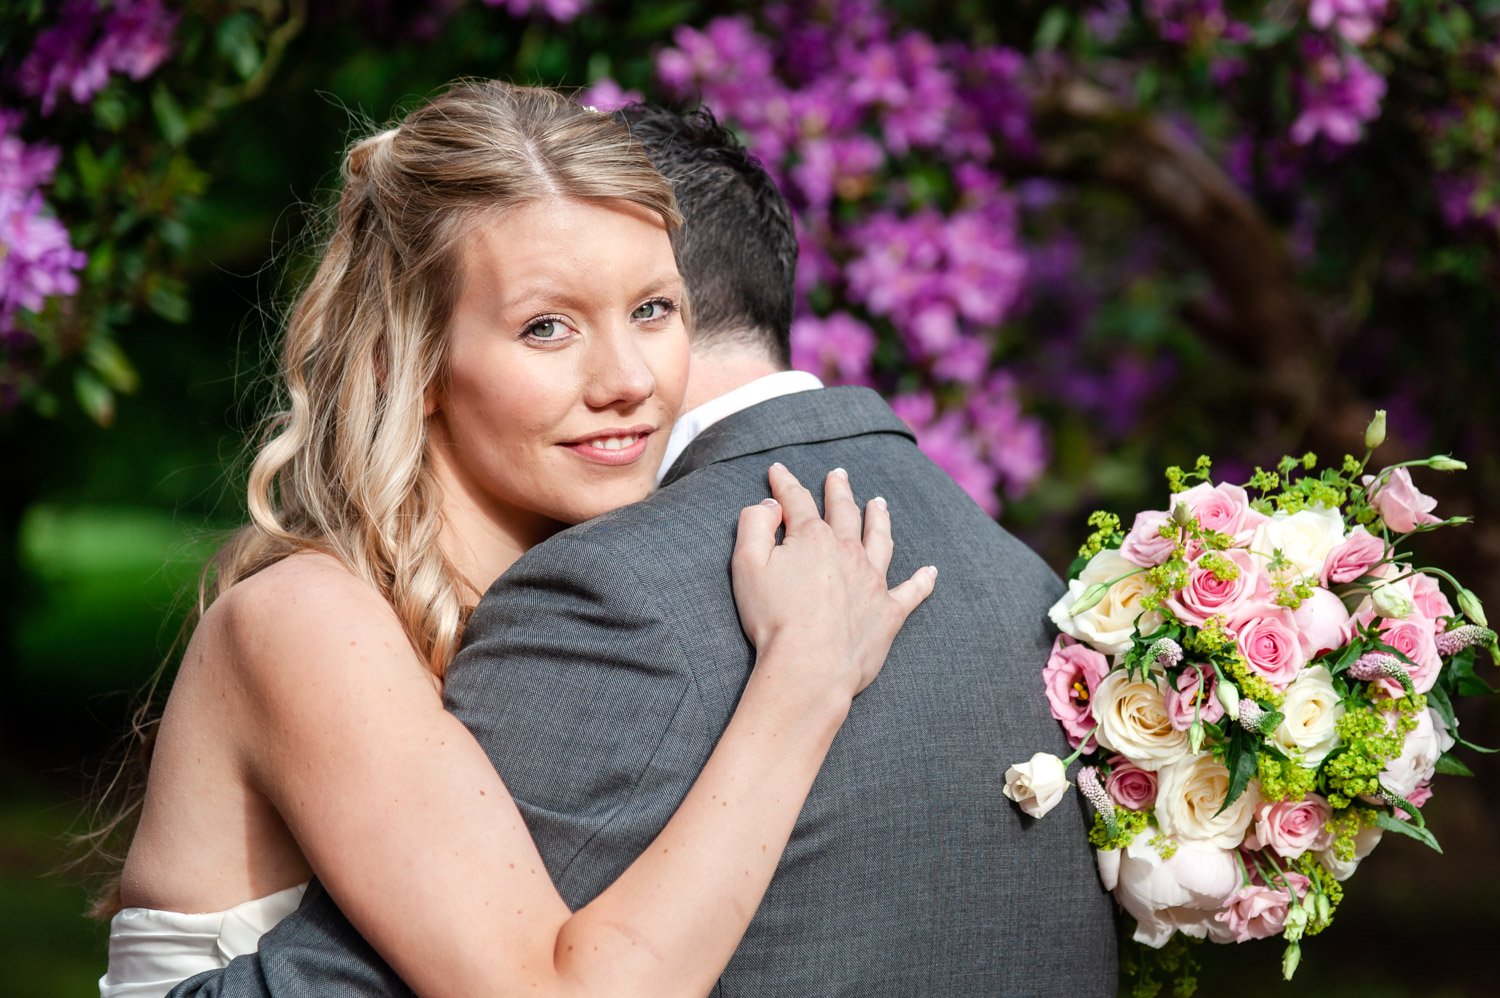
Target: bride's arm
[[404, 819]]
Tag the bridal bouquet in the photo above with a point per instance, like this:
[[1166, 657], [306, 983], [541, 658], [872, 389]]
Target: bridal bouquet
[[1259, 682]]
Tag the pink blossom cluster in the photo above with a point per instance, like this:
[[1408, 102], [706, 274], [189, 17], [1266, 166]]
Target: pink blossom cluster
[[883, 141], [1353, 20], [1339, 93], [1299, 593], [37, 259], [91, 41]]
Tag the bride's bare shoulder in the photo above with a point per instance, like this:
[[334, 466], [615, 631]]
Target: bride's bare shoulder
[[303, 619]]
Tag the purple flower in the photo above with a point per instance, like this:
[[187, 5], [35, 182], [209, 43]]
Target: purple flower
[[842, 166], [24, 167], [77, 55], [1015, 444], [137, 37], [1354, 20], [1194, 22], [838, 348], [945, 438], [1340, 93], [606, 95], [37, 261], [558, 10]]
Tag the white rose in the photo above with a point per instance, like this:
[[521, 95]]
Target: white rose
[[1180, 894], [1190, 791], [1038, 785], [1419, 755], [1365, 841], [1311, 710], [1304, 538], [1108, 624], [1133, 720]]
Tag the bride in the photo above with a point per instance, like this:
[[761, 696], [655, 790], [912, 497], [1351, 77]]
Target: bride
[[493, 347]]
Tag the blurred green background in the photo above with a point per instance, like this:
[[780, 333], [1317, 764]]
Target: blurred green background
[[105, 528]]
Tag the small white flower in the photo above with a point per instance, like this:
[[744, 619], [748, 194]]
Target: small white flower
[[1038, 785]]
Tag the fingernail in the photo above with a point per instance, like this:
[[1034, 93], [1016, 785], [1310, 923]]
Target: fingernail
[[840, 472], [777, 464], [770, 502], [878, 501], [931, 570]]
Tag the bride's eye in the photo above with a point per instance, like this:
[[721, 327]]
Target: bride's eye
[[654, 310], [546, 330]]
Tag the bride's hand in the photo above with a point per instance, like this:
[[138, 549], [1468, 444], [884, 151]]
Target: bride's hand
[[819, 599]]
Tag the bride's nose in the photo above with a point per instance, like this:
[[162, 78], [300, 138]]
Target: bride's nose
[[618, 372]]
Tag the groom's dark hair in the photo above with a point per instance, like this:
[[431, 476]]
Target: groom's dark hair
[[736, 248]]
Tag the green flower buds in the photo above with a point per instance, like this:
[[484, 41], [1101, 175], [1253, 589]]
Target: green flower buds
[[1469, 606], [1375, 432]]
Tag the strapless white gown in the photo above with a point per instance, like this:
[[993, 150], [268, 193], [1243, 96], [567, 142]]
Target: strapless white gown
[[151, 952]]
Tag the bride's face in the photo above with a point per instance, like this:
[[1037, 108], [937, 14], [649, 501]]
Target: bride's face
[[567, 365]]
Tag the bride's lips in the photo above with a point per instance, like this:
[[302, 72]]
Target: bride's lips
[[623, 445]]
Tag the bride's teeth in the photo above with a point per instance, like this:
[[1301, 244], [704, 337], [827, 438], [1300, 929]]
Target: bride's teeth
[[614, 443]]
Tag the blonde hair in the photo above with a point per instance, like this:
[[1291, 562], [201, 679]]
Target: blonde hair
[[342, 465]]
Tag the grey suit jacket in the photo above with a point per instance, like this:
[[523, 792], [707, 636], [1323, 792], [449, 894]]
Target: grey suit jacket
[[600, 670]]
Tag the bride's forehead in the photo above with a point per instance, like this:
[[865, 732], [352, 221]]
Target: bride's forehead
[[581, 246]]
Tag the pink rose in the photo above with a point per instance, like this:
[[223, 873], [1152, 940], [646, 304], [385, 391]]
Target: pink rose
[[1271, 645], [1144, 545], [1256, 912], [1323, 623], [1428, 597], [1071, 675], [1360, 552], [1416, 639], [1222, 507], [1290, 828], [1400, 504], [1128, 785], [1205, 595], [1194, 689]]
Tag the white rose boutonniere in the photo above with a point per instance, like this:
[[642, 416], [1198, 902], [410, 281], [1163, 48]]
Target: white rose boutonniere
[[1038, 785]]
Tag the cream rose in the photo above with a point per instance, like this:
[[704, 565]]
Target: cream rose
[[1133, 720], [1038, 785], [1304, 538], [1310, 712], [1190, 791], [1108, 624]]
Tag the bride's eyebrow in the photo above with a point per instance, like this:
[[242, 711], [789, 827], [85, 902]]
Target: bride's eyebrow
[[662, 284]]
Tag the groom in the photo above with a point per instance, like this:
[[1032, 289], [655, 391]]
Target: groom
[[600, 670]]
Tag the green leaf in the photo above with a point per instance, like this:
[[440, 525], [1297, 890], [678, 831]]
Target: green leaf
[[1437, 699], [1241, 762], [1462, 678], [95, 398], [238, 41], [111, 364], [1053, 26], [1391, 823], [92, 174], [167, 299], [169, 116], [1451, 765]]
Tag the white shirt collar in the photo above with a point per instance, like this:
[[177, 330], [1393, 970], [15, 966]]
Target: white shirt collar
[[763, 389]]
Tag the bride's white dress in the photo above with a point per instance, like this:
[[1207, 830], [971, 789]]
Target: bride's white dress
[[151, 952]]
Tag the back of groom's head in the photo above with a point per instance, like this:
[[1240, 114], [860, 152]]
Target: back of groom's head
[[736, 248]]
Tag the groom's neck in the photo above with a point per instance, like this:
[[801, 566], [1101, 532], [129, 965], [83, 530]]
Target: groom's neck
[[718, 368]]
